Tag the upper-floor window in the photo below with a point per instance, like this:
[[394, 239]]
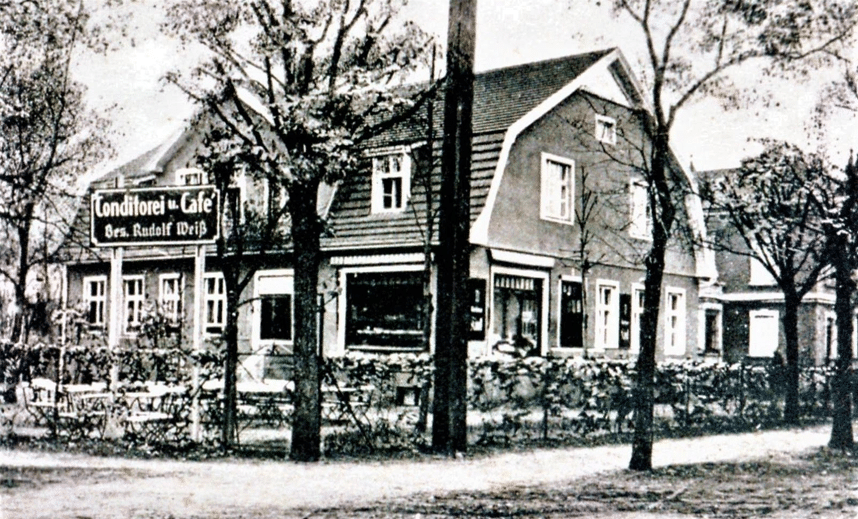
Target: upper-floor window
[[557, 188], [95, 299], [215, 302], [391, 182], [606, 129], [674, 337], [170, 297], [759, 274], [641, 216], [134, 297], [190, 177]]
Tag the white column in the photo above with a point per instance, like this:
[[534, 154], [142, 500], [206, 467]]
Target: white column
[[199, 330], [115, 325]]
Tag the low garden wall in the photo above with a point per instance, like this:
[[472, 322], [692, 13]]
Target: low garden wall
[[511, 401]]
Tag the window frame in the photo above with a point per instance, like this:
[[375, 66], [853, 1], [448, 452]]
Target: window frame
[[342, 321], [560, 282], [101, 298], [544, 279], [681, 315], [636, 184], [182, 175], [548, 189], [759, 275], [288, 275], [637, 317], [174, 316], [132, 326], [379, 176], [830, 335], [211, 327], [604, 121], [611, 341]]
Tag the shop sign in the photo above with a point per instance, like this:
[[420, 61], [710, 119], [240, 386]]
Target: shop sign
[[186, 215]]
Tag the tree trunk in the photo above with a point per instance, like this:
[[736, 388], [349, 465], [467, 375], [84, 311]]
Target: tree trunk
[[792, 411], [21, 281], [229, 427], [841, 427], [306, 229], [449, 428], [643, 392]]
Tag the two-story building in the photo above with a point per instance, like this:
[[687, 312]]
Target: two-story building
[[753, 303], [559, 229]]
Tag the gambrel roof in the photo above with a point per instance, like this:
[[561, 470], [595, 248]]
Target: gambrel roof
[[506, 100]]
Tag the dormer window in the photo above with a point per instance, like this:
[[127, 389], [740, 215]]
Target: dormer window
[[190, 177], [606, 129], [391, 182]]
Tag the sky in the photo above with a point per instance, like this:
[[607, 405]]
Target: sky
[[126, 85]]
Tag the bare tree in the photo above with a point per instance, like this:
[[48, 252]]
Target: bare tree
[[298, 87], [690, 48], [837, 199], [48, 138], [771, 214]]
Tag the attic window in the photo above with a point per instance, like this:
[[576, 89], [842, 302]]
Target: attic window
[[190, 177], [606, 129], [391, 182]]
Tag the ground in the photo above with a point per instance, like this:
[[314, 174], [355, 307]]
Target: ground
[[780, 474]]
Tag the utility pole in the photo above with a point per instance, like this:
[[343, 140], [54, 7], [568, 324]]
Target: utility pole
[[449, 428]]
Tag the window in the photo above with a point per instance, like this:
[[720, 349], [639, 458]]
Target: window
[[607, 315], [759, 275], [763, 333], [384, 309], [641, 216], [830, 336], [190, 177], [674, 337], [170, 297], [477, 291], [637, 313], [132, 291], [711, 331], [95, 299], [557, 186], [274, 291], [606, 129], [517, 307], [215, 302], [391, 182], [571, 315]]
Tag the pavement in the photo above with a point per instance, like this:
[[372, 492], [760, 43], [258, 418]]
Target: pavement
[[242, 488]]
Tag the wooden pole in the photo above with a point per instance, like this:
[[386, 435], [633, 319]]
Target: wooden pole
[[449, 428]]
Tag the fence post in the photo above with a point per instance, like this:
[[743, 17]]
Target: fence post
[[742, 391]]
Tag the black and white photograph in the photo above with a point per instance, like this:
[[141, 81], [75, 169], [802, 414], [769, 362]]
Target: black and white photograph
[[425, 259]]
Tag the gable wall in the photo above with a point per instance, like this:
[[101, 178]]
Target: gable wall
[[568, 131]]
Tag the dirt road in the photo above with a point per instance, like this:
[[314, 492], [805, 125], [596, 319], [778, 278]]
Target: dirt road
[[75, 486]]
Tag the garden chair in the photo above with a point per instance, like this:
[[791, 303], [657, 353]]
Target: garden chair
[[40, 400], [156, 414]]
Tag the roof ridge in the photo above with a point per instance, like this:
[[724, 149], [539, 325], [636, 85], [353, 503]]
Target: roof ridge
[[592, 54]]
